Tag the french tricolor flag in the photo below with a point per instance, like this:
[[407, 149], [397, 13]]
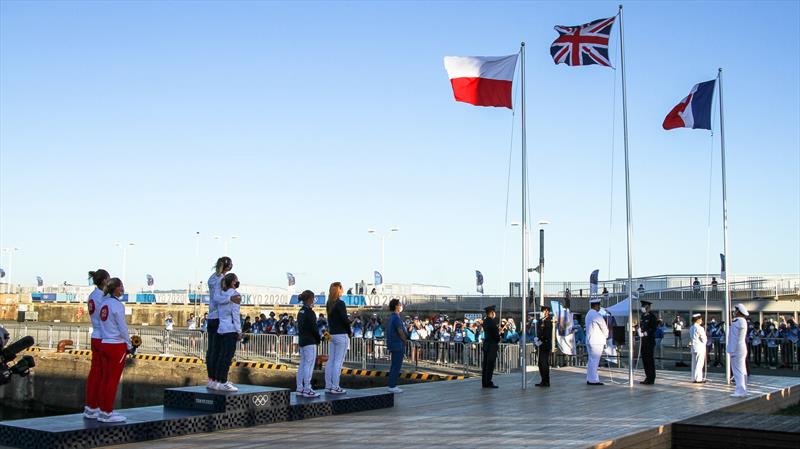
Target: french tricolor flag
[[694, 111], [482, 80]]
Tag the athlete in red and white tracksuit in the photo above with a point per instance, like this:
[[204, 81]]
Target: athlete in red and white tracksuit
[[114, 349], [92, 407]]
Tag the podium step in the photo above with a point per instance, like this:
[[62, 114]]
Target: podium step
[[249, 397], [191, 410]]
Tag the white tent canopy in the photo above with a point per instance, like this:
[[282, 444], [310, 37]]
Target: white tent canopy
[[618, 310]]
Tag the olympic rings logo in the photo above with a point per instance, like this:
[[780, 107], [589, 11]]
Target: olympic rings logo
[[260, 400]]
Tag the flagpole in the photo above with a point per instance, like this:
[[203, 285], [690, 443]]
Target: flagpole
[[627, 200], [522, 285], [725, 230]]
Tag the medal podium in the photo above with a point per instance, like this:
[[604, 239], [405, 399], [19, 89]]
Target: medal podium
[[188, 410]]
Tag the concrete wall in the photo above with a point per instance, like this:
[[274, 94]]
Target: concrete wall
[[58, 382]]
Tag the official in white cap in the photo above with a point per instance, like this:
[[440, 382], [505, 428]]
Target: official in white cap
[[737, 348], [698, 340], [596, 336]]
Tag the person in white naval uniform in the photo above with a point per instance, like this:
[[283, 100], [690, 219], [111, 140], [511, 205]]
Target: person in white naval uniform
[[596, 335], [737, 348], [698, 340]]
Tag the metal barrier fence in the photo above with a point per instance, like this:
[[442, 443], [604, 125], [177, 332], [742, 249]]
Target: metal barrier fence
[[368, 353]]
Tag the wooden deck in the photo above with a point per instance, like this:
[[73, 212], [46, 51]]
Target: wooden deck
[[460, 414]]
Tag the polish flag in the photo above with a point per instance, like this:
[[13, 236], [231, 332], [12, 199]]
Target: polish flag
[[482, 80], [694, 111]]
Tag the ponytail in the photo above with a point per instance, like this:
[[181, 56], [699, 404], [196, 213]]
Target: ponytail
[[99, 276], [334, 293], [223, 264], [229, 281], [111, 286]]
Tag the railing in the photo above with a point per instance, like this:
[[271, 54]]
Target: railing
[[373, 354], [363, 353]]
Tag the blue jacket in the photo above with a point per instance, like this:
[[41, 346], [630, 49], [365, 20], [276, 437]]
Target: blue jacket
[[393, 340]]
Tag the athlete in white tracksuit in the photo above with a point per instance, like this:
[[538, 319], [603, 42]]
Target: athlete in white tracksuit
[[698, 339], [737, 348], [596, 336]]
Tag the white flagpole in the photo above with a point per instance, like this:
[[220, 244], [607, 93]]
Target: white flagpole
[[522, 286], [627, 201], [725, 230]]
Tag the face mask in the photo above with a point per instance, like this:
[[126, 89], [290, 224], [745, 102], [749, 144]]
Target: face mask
[[644, 310]]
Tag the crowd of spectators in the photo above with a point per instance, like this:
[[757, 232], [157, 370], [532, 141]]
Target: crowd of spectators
[[772, 344]]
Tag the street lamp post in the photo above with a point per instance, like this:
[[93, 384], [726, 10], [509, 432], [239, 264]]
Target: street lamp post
[[10, 252], [225, 242], [195, 281], [124, 257], [383, 246], [542, 224]]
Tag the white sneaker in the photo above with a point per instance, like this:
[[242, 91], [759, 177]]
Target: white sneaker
[[310, 394], [212, 385], [395, 390], [110, 417], [90, 413], [227, 386], [337, 390]]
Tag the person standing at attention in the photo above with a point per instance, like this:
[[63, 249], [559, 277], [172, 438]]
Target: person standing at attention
[[223, 266], [544, 342], [647, 326], [229, 331], [396, 337], [340, 332], [91, 409], [308, 339], [698, 340], [737, 348], [115, 347], [596, 336], [490, 345]]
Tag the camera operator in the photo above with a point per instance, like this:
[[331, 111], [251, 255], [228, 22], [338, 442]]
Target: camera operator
[[9, 352]]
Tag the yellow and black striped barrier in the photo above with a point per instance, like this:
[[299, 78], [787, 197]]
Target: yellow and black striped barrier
[[78, 352], [271, 366], [165, 358], [261, 365], [411, 376]]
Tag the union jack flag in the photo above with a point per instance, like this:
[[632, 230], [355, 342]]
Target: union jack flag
[[583, 44]]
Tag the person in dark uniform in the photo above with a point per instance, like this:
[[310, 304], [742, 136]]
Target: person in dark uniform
[[647, 328], [490, 344], [544, 341]]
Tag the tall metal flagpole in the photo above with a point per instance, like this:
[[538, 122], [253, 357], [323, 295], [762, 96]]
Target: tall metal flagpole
[[522, 285], [725, 228], [627, 200]]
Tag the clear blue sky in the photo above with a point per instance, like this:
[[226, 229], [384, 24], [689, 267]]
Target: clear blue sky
[[298, 126]]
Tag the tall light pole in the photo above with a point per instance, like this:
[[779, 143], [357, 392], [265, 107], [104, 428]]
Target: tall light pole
[[195, 280], [124, 247], [383, 245], [225, 242], [542, 224], [196, 256], [10, 252]]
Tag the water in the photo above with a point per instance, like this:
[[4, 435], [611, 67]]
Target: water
[[8, 413]]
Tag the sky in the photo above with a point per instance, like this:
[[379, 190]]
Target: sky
[[299, 126]]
